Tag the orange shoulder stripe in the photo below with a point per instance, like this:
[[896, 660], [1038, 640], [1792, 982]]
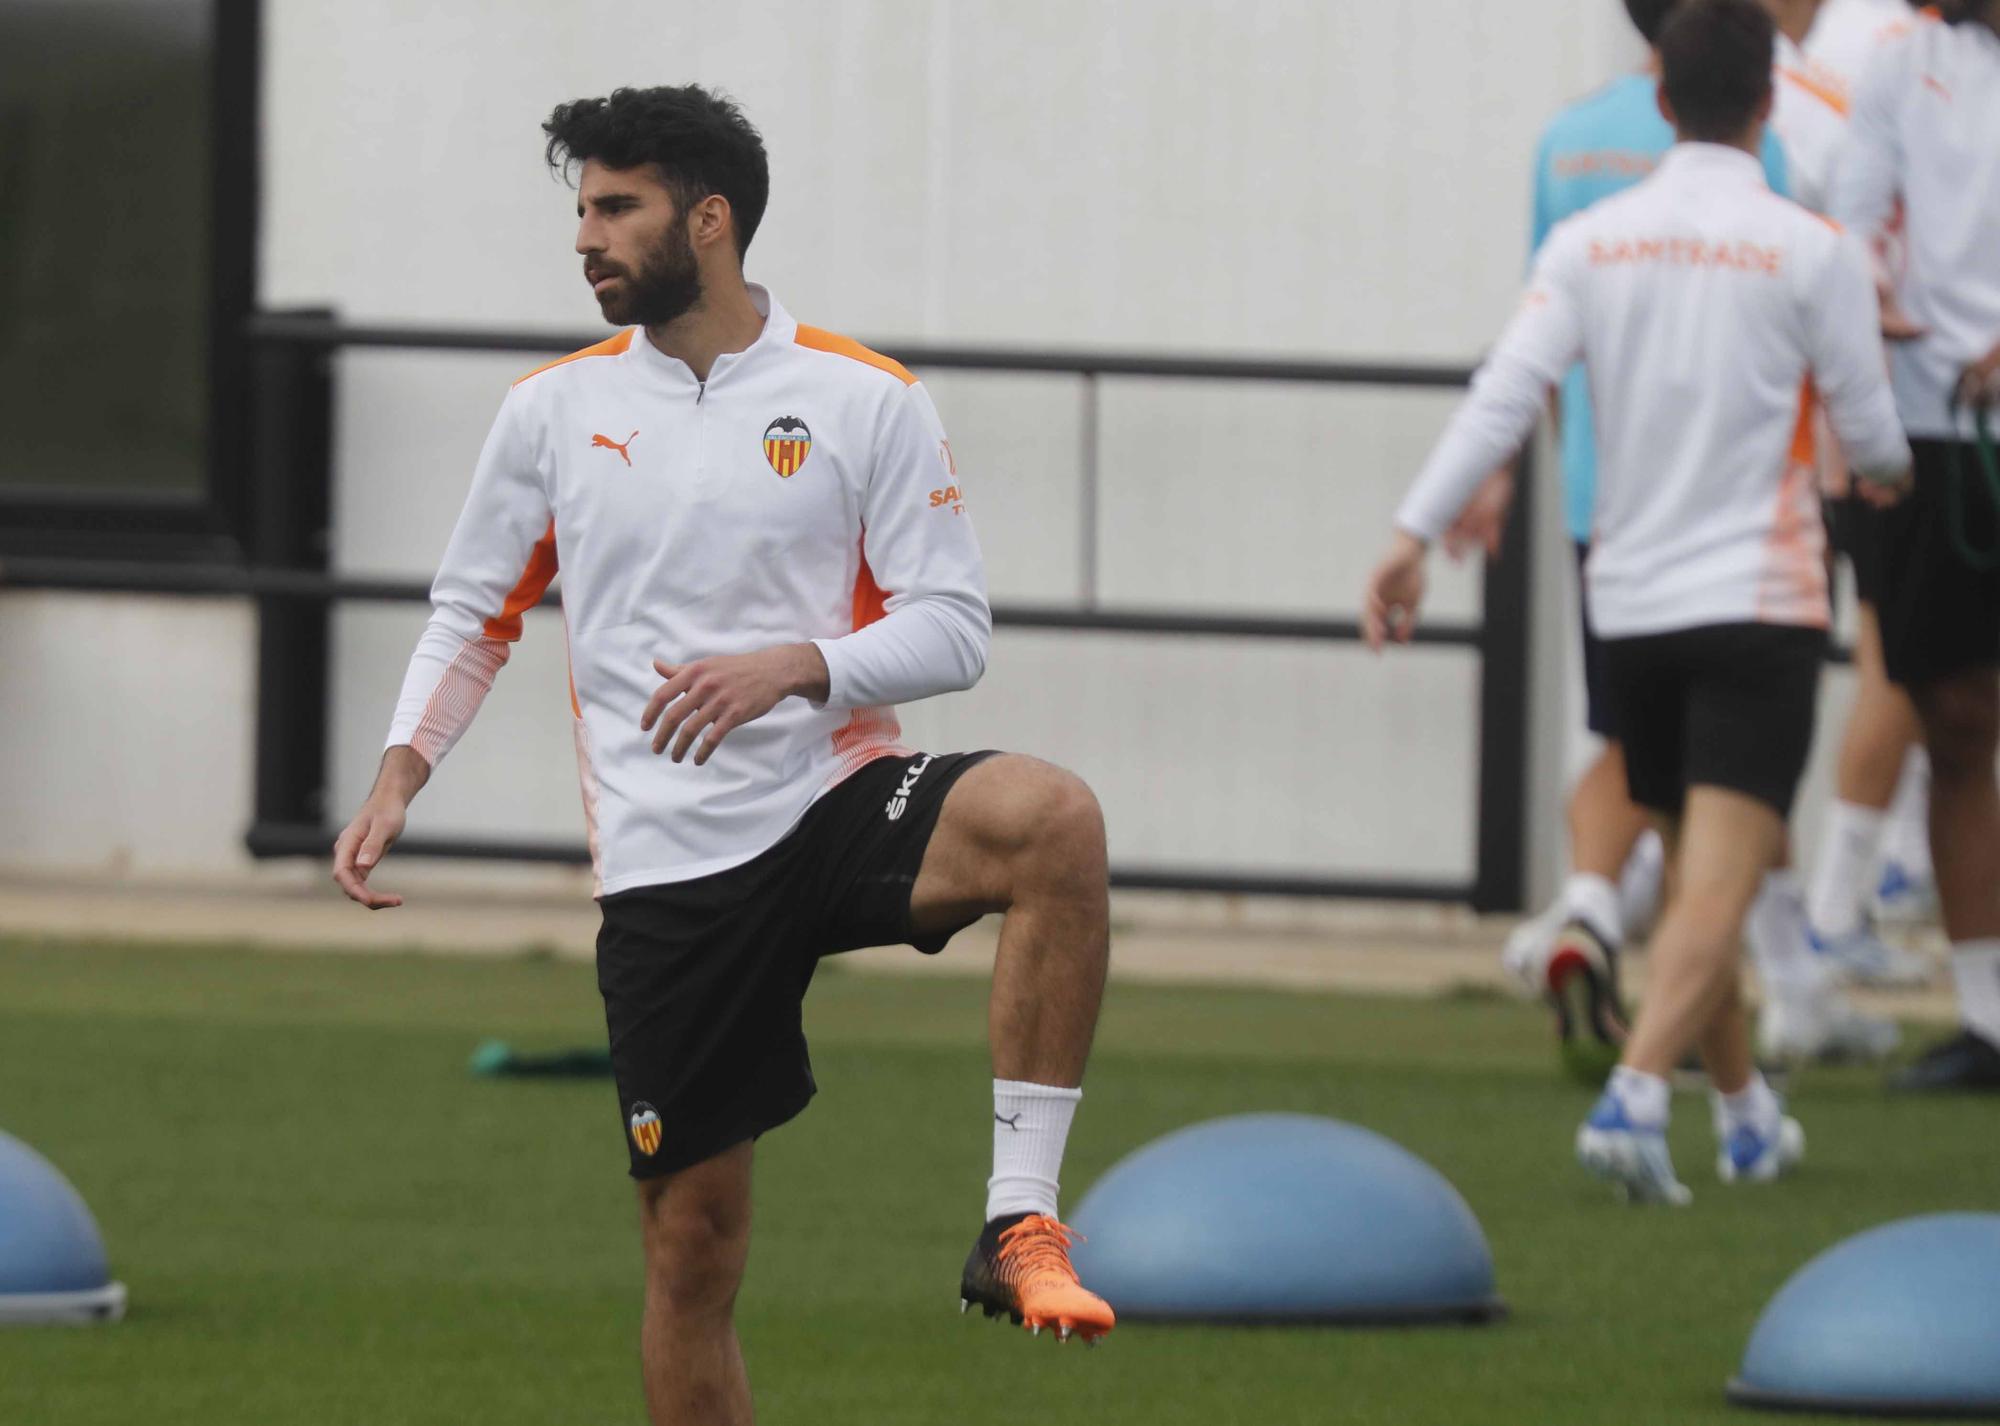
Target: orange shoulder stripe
[[528, 590], [610, 346], [1825, 93], [824, 341]]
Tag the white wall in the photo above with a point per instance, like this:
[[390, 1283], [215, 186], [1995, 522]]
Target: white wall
[[1309, 178]]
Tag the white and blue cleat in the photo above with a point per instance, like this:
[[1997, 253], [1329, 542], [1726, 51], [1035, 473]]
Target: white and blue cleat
[[1861, 957], [1904, 898], [1633, 1158], [1750, 1155]]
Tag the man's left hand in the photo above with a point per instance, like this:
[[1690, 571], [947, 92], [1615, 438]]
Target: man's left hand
[[1979, 387], [719, 695]]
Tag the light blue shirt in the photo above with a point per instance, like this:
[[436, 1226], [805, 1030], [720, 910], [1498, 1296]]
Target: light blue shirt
[[1597, 147]]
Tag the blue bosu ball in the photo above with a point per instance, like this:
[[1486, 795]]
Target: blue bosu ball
[[1273, 1218], [1900, 1320], [52, 1266]]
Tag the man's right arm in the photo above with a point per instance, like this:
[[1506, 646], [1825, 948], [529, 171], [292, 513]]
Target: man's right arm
[[1850, 368], [498, 565]]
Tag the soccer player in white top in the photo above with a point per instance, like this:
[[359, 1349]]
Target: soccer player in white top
[[1707, 311], [1926, 131], [764, 547], [1881, 775]]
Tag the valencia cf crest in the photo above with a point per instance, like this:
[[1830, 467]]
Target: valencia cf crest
[[645, 1123], [787, 443]]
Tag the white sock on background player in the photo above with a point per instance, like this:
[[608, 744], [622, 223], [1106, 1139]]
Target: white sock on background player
[[1640, 885], [1907, 839], [1850, 863], [1593, 900], [1647, 1099], [1975, 966], [1780, 942], [1030, 1127], [1756, 1106]]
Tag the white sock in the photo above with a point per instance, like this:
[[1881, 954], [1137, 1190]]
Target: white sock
[[1908, 842], [1593, 900], [1850, 863], [1975, 965], [1756, 1105], [1646, 1097], [1640, 883], [1780, 942], [1030, 1127]]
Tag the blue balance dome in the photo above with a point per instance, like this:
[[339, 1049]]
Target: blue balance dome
[[1900, 1320], [52, 1266], [1267, 1218]]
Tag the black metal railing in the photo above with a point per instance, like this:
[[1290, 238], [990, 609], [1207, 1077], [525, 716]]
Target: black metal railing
[[286, 573]]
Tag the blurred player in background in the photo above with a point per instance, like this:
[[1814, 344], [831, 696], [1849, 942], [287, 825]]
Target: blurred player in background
[[1874, 862], [1706, 309], [1597, 147], [1926, 132], [764, 547]]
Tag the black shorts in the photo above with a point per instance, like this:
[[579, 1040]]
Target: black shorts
[[1596, 702], [1729, 705], [1940, 615], [1848, 533], [704, 980]]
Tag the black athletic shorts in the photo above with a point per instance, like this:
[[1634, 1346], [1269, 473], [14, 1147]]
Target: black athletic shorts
[[1596, 703], [704, 980], [1940, 614], [1728, 705], [1849, 534]]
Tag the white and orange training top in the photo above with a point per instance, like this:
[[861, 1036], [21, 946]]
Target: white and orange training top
[[804, 492], [1926, 135], [1706, 309], [1809, 111]]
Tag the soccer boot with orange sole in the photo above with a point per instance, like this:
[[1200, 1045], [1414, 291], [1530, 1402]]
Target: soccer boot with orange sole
[[1020, 1266]]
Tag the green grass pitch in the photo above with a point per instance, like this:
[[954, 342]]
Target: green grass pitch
[[323, 1218]]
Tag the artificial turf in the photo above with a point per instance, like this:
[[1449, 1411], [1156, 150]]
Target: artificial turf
[[322, 1217]]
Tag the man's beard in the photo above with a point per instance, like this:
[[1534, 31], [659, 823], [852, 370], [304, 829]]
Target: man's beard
[[668, 286]]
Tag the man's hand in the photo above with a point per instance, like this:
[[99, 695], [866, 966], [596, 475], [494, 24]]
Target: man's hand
[[1979, 387], [720, 695], [1897, 325], [1483, 523], [377, 825], [1883, 493], [1395, 591]]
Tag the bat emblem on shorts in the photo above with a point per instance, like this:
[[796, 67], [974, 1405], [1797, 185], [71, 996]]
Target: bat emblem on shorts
[[645, 1124]]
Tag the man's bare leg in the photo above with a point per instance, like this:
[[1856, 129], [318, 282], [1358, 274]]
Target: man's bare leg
[[1727, 842], [1021, 837], [1718, 855], [1961, 717], [695, 1229], [1604, 822], [1962, 727], [1882, 729]]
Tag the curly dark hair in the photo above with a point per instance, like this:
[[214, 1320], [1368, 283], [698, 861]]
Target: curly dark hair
[[698, 140], [1650, 16], [1715, 66]]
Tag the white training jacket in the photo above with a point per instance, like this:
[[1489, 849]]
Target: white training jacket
[[805, 492], [1809, 115], [1926, 129], [1705, 309], [1844, 37]]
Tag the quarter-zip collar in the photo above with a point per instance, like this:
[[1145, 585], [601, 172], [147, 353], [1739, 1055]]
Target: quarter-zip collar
[[780, 331], [1712, 160]]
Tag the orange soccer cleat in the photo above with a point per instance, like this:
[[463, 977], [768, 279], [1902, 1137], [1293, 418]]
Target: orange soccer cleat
[[1020, 1266]]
